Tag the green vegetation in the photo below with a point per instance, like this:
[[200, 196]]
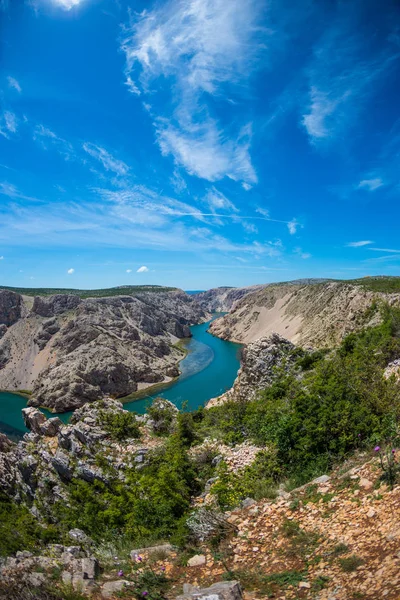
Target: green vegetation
[[312, 422], [351, 563], [120, 425], [19, 530], [384, 284], [122, 290], [268, 585], [309, 420], [148, 506]]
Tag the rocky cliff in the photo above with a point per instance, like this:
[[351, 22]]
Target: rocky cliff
[[222, 299], [262, 361], [69, 350], [319, 315]]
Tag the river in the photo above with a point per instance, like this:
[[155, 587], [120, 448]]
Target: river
[[208, 370]]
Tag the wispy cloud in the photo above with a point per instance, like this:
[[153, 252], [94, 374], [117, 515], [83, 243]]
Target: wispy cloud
[[106, 159], [370, 184], [199, 48], [8, 124], [204, 150], [217, 201], [385, 250], [71, 271], [128, 270], [303, 255], [47, 138], [143, 269], [293, 226], [343, 76], [10, 190], [359, 244], [67, 4], [13, 83]]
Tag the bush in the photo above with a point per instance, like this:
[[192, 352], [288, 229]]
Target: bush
[[163, 414], [19, 530], [351, 563], [120, 425]]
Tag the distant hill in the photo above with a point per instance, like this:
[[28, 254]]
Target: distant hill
[[121, 290]]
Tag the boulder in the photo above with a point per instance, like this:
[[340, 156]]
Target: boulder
[[79, 536], [110, 588], [225, 590], [34, 419], [167, 548], [197, 561]]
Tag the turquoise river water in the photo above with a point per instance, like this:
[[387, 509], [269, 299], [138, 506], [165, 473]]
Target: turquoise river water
[[208, 370]]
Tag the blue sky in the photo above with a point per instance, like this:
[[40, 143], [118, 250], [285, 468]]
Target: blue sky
[[198, 143]]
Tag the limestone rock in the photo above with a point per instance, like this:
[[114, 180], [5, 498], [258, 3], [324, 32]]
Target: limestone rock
[[260, 362], [11, 307], [197, 561], [110, 588], [225, 590]]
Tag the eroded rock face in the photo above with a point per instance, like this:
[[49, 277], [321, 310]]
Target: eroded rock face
[[261, 363], [54, 305], [10, 307], [41, 465], [70, 351], [317, 315]]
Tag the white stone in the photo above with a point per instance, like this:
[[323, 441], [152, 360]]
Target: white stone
[[197, 560]]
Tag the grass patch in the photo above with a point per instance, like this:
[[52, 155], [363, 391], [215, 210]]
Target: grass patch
[[268, 585], [351, 563]]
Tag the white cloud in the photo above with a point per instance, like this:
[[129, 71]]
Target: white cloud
[[129, 270], [371, 184], [45, 137], [71, 271], [217, 201], [292, 226], [246, 186], [107, 160], [249, 227], [303, 255], [8, 124], [142, 270], [13, 83], [359, 244], [199, 48], [263, 211], [10, 190], [132, 87], [203, 150], [343, 76], [67, 4], [384, 250]]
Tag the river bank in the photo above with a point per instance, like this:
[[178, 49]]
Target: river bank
[[208, 369]]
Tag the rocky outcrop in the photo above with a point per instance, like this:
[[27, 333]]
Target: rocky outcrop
[[76, 566], [222, 299], [54, 305], [53, 453], [11, 307], [225, 590], [319, 315], [262, 362], [69, 351]]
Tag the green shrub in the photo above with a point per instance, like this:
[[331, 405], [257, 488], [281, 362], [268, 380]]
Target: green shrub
[[120, 425], [163, 415], [19, 530], [351, 563]]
